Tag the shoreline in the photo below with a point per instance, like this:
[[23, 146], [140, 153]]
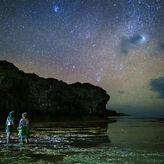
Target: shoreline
[[89, 144]]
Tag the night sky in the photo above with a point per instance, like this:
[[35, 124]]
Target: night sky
[[115, 44]]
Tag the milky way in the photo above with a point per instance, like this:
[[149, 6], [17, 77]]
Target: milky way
[[115, 44]]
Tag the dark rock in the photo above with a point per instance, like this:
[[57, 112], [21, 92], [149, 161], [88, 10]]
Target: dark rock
[[28, 92], [124, 114], [111, 113], [114, 113]]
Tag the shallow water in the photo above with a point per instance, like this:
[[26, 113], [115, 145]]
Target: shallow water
[[128, 140]]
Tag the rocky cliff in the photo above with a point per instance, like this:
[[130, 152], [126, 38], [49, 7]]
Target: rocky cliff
[[28, 92]]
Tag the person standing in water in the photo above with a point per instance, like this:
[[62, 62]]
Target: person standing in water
[[24, 128], [9, 125]]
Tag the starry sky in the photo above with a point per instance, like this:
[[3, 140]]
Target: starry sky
[[115, 44]]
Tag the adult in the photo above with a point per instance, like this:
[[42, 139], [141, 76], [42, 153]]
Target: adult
[[24, 128], [9, 125]]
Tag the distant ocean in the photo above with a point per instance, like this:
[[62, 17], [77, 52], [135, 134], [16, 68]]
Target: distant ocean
[[132, 141], [136, 140]]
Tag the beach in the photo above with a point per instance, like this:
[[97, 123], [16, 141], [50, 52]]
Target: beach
[[120, 140]]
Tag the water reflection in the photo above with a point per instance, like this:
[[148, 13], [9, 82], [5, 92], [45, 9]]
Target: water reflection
[[137, 131], [86, 133]]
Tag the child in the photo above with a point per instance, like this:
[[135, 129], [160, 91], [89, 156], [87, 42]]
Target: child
[[24, 128], [9, 125]]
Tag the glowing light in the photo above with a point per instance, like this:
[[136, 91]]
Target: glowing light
[[143, 40], [98, 79], [56, 9]]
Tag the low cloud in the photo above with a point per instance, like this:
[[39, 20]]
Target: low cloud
[[158, 86], [128, 43], [136, 39]]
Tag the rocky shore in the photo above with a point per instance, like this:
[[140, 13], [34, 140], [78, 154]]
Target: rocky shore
[[52, 142], [38, 96], [66, 119]]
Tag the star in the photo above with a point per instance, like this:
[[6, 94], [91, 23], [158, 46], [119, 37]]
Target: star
[[56, 9]]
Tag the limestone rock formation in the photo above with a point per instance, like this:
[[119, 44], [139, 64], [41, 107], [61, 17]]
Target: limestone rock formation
[[28, 92]]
